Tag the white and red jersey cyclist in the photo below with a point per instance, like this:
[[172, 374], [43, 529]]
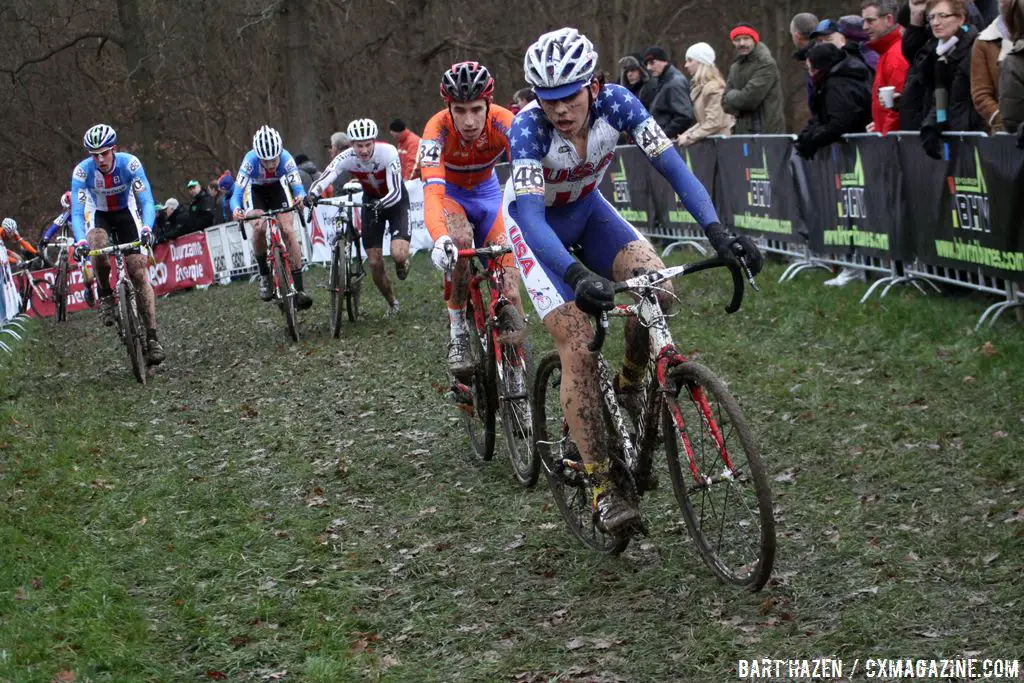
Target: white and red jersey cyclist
[[380, 175]]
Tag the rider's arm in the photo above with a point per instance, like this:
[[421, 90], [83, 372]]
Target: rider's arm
[[78, 195], [653, 142], [431, 160], [26, 246], [530, 142], [395, 183], [142, 189], [242, 181], [327, 178], [291, 175]]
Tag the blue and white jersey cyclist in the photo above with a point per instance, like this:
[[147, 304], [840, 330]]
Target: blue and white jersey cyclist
[[111, 200], [269, 179], [562, 145]]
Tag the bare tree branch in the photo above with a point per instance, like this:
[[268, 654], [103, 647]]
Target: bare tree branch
[[60, 48]]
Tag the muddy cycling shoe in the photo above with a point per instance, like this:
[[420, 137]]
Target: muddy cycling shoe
[[460, 364], [402, 269], [107, 310], [155, 353], [266, 288], [614, 513], [90, 296], [302, 300], [393, 309]]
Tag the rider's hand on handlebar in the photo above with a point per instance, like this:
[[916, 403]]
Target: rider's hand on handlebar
[[444, 254], [81, 251], [146, 236], [731, 248], [309, 200], [594, 294], [238, 214]]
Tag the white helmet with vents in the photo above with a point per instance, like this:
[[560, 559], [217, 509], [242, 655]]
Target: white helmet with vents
[[361, 130], [266, 143], [560, 63]]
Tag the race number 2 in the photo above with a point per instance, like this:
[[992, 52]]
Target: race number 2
[[528, 177]]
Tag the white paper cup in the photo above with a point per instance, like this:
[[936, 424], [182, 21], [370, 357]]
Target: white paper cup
[[888, 96]]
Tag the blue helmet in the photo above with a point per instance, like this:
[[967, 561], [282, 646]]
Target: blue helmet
[[99, 138]]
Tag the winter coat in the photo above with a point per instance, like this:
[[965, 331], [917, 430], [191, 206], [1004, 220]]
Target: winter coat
[[630, 62], [711, 117], [408, 144], [669, 95], [985, 59], [308, 171], [841, 104], [753, 93], [1011, 88], [892, 71], [200, 213], [953, 71]]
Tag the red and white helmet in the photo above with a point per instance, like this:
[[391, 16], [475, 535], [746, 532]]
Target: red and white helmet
[[467, 81], [65, 200]]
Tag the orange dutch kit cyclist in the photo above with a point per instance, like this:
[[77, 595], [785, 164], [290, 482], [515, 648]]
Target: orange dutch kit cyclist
[[461, 194]]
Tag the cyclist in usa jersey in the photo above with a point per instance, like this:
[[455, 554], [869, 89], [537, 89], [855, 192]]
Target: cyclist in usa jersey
[[269, 179], [377, 167], [562, 144], [461, 194], [111, 200]]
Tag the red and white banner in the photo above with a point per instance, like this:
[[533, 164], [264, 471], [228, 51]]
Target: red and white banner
[[180, 264]]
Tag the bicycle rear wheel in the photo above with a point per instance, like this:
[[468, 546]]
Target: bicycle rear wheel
[[728, 509], [335, 282], [60, 287], [562, 463], [478, 414], [515, 377], [133, 334], [287, 293], [353, 281]]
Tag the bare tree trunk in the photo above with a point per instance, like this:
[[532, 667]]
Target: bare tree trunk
[[300, 79], [146, 125]]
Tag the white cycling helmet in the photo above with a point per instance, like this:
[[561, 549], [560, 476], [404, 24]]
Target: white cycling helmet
[[65, 200], [560, 63], [266, 143], [362, 129], [99, 138], [10, 226]]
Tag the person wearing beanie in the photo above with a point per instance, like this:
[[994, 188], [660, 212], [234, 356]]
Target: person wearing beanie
[[753, 91], [408, 144], [706, 89], [226, 185], [632, 75], [668, 93], [842, 98]]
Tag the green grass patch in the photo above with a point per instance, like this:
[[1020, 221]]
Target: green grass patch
[[308, 512]]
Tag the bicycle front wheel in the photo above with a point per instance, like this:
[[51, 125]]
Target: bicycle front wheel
[[133, 334], [336, 280], [515, 377], [478, 416], [561, 460], [60, 288], [287, 293], [719, 480], [353, 282]]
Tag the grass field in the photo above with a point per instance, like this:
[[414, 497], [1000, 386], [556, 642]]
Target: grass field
[[307, 512]]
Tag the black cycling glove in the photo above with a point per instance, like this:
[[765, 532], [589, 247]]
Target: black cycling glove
[[594, 294], [730, 247]]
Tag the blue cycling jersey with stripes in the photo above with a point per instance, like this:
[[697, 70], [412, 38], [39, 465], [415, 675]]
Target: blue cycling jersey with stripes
[[125, 187]]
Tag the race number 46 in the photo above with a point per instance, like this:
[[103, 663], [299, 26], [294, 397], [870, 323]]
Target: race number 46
[[528, 179]]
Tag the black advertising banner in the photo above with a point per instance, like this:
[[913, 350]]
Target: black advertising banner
[[757, 185], [624, 185], [949, 204], [850, 199], [702, 162]]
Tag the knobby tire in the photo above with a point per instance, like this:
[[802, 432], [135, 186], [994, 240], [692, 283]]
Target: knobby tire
[[287, 294]]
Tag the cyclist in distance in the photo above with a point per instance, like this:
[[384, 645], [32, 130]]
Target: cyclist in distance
[[461, 194], [269, 179], [9, 235], [376, 165], [562, 144], [59, 222], [111, 200]]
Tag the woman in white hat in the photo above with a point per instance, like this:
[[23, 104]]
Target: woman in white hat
[[706, 89]]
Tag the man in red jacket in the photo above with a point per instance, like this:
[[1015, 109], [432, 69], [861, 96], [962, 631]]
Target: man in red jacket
[[408, 144], [885, 34]]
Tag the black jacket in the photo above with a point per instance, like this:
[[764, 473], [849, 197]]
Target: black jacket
[[953, 71], [841, 104], [201, 212], [670, 103], [918, 44]]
